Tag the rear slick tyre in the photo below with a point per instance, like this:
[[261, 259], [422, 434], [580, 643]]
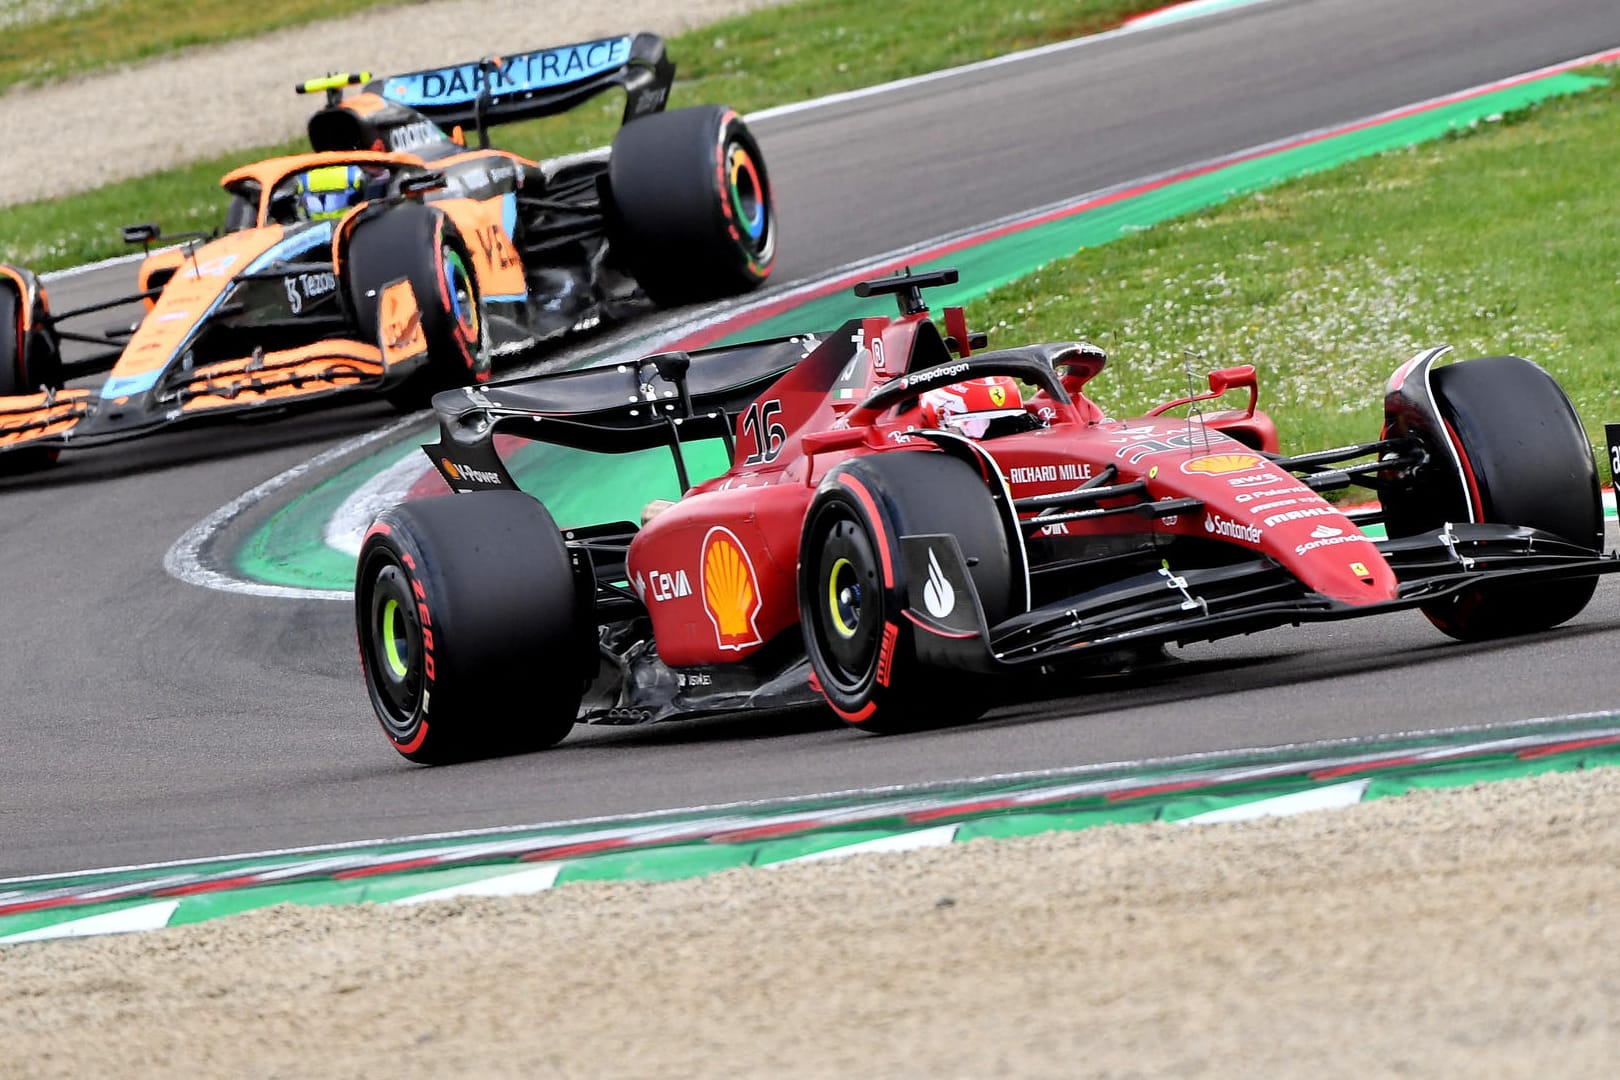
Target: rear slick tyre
[[470, 633], [691, 214]]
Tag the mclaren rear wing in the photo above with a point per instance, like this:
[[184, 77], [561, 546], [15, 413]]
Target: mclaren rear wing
[[524, 85]]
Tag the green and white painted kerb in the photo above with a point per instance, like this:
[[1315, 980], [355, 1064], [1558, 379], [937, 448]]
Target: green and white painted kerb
[[1207, 789]]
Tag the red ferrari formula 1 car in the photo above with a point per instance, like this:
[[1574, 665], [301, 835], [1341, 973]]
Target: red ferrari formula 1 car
[[903, 522], [399, 258]]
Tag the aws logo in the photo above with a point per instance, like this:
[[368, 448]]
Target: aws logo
[[730, 590]]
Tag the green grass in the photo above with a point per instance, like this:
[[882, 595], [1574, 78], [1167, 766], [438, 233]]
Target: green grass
[[1503, 239], [770, 57], [45, 42]]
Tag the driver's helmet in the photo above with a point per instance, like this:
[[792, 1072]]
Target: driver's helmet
[[970, 407], [328, 191]]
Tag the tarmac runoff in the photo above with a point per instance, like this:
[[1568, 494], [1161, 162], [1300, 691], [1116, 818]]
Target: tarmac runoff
[[305, 548]]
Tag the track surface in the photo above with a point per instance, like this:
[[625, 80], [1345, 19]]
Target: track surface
[[144, 719]]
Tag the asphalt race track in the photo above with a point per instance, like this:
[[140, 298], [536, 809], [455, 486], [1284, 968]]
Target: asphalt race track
[[144, 719]]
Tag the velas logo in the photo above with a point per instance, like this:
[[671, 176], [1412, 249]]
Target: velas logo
[[730, 590], [1221, 464]]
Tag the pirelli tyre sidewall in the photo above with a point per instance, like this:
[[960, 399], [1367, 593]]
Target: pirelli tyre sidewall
[[415, 241], [853, 591], [1527, 461], [690, 212], [468, 627]]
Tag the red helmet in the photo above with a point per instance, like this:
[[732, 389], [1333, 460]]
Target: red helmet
[[969, 407]]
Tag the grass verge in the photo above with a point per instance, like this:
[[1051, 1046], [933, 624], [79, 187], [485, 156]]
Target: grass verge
[[47, 42], [754, 61], [1503, 239]]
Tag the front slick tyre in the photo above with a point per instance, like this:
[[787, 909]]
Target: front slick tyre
[[1531, 464], [853, 592], [470, 634], [28, 364], [416, 242]]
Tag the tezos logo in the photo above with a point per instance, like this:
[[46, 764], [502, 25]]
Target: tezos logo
[[306, 289]]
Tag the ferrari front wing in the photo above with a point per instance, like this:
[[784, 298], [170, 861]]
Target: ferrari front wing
[[1205, 604]]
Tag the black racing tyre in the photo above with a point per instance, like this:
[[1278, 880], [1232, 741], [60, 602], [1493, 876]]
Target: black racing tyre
[[847, 612], [414, 241], [691, 214], [28, 363], [1531, 464], [470, 634]]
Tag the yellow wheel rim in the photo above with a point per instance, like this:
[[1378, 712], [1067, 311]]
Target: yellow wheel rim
[[835, 603], [393, 633]]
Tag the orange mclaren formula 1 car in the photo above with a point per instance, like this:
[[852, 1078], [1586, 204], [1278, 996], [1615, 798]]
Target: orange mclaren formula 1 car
[[397, 258]]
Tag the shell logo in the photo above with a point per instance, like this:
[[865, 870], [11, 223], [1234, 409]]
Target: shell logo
[[1220, 464], [730, 590]]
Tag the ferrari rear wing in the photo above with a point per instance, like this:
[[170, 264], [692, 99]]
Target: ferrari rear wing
[[525, 85], [660, 400]]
